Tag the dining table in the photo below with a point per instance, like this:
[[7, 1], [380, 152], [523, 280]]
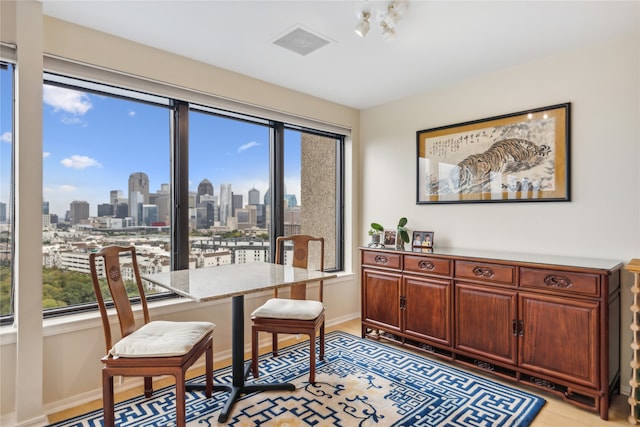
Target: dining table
[[235, 281]]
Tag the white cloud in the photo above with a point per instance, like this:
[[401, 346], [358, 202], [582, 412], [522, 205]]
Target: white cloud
[[46, 154], [132, 113], [80, 162], [67, 100], [248, 145], [67, 188], [5, 137]]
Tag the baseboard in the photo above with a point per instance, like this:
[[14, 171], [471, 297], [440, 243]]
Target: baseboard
[[10, 420]]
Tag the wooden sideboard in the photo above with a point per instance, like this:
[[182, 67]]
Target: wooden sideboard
[[546, 321]]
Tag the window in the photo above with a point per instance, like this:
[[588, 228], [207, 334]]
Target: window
[[6, 189], [229, 188], [106, 172], [118, 163]]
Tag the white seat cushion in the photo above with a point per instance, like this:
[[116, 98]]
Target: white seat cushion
[[162, 339], [283, 308]]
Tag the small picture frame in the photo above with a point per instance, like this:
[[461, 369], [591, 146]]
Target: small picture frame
[[389, 238], [422, 239]]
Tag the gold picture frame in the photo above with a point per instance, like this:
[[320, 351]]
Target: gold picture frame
[[516, 157]]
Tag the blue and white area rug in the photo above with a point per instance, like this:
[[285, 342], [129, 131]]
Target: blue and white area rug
[[360, 383]]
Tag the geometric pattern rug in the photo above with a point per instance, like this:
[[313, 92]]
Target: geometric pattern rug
[[360, 383]]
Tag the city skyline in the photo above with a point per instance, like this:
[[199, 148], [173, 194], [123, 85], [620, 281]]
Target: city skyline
[[93, 143]]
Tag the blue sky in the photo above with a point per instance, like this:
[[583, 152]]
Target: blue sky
[[92, 143], [5, 134]]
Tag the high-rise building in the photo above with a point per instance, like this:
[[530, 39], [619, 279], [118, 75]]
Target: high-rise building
[[136, 201], [3, 212], [162, 199], [205, 187], [121, 210], [138, 183], [78, 211], [236, 203], [115, 196], [254, 196], [149, 215], [45, 208], [225, 203], [105, 209]]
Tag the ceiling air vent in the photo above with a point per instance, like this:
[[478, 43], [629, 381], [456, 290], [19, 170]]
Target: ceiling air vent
[[301, 41]]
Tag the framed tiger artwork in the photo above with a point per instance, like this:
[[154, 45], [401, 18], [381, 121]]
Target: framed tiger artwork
[[518, 157]]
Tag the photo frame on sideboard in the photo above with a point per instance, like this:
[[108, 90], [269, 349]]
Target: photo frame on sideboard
[[516, 157], [422, 239], [390, 238]]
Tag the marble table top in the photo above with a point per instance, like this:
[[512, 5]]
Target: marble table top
[[209, 283]]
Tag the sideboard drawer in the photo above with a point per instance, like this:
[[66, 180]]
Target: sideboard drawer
[[560, 281], [420, 264], [494, 273], [382, 259]]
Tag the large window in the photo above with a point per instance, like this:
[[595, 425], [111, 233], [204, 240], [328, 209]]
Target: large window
[[6, 188], [190, 186], [106, 180]]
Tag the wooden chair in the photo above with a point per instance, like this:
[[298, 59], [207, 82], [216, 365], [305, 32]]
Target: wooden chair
[[156, 348], [294, 315]]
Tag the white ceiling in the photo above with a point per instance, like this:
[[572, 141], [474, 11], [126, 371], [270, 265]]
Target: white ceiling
[[438, 43]]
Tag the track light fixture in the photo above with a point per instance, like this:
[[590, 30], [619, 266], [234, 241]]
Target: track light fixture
[[387, 19], [363, 26]]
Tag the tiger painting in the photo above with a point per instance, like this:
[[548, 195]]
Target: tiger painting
[[508, 155]]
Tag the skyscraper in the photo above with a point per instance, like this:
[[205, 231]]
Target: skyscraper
[[225, 203], [205, 187], [138, 183], [236, 203], [79, 211], [254, 196]]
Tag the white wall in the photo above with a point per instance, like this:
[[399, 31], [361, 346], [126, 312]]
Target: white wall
[[603, 218]]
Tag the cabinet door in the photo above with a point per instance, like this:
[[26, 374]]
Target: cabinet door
[[381, 298], [426, 313], [484, 322], [560, 337]]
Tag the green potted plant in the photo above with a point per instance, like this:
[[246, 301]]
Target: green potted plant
[[375, 232], [403, 233]]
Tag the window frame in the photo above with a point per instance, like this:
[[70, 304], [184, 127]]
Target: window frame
[[179, 167]]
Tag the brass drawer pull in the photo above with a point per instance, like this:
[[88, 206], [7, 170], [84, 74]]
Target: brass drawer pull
[[483, 272], [426, 265], [381, 259], [558, 281]]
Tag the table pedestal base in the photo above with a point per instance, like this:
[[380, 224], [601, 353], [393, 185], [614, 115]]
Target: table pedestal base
[[235, 391], [240, 369]]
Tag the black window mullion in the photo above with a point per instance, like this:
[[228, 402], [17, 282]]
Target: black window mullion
[[276, 177], [180, 187]]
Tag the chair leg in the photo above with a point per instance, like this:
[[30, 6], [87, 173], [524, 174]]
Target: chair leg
[[209, 371], [180, 400], [322, 341], [107, 399], [312, 357], [254, 352], [274, 344], [148, 387]]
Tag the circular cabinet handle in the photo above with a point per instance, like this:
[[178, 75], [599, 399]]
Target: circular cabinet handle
[[381, 259], [558, 281], [483, 272], [426, 265]]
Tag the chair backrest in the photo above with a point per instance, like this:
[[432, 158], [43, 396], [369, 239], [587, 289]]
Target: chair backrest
[[303, 251], [106, 264]]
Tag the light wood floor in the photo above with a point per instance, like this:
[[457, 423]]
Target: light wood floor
[[554, 413]]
